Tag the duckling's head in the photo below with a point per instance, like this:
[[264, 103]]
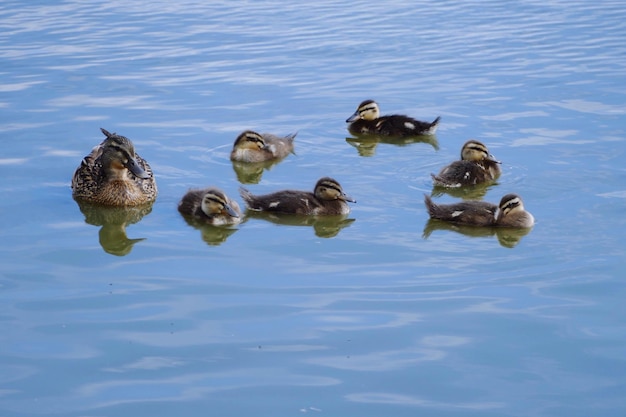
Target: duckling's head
[[511, 203], [118, 155], [367, 110], [215, 202], [476, 151], [329, 189], [249, 140]]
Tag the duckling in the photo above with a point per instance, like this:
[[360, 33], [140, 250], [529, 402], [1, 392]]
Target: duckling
[[509, 213], [254, 147], [211, 206], [327, 198], [476, 166], [366, 120], [114, 175]]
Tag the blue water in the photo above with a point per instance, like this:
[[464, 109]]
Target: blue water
[[383, 314]]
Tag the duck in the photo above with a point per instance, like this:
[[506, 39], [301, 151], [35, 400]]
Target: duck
[[366, 120], [509, 213], [114, 175], [476, 166], [210, 205], [251, 146], [327, 198]]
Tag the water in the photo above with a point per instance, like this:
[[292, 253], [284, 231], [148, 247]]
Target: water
[[381, 314]]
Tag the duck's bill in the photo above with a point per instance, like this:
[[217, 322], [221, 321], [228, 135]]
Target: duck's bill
[[354, 117], [136, 169]]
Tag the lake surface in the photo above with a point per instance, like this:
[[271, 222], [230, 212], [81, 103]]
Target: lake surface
[[380, 314]]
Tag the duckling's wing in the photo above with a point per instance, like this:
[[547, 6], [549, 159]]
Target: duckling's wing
[[460, 173]]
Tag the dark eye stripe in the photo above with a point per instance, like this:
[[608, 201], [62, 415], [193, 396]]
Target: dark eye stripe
[[367, 109], [331, 185], [215, 199]]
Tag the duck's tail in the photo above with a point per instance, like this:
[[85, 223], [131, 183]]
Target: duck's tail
[[434, 125]]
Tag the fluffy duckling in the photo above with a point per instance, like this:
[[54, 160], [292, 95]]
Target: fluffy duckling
[[509, 213], [114, 175], [366, 120], [254, 147], [476, 166], [211, 206], [326, 199]]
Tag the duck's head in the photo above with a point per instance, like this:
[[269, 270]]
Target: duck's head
[[474, 150], [215, 202], [510, 203], [329, 189], [118, 155], [367, 110], [249, 140]]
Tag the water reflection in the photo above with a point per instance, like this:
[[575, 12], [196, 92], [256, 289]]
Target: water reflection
[[112, 234], [324, 226], [508, 237], [474, 192], [366, 144], [212, 235], [251, 172]]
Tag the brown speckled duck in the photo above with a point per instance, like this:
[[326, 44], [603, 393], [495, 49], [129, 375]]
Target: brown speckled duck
[[476, 166], [509, 213], [367, 120], [254, 147], [327, 198], [114, 175], [210, 205]]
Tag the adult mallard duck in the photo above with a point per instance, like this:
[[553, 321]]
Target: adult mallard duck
[[476, 166], [210, 205], [327, 198], [367, 120], [114, 175], [255, 147], [509, 213]]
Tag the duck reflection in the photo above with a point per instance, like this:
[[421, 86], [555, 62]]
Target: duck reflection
[[112, 234], [211, 234], [474, 192], [366, 144], [324, 226], [251, 172], [508, 237]]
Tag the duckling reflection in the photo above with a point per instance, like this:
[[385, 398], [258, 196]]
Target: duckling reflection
[[366, 144], [211, 234], [324, 226], [112, 234], [507, 237], [476, 192], [252, 172]]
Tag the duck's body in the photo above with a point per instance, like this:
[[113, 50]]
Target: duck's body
[[114, 175], [367, 120], [476, 166], [210, 205], [327, 198], [474, 213], [509, 213], [254, 147]]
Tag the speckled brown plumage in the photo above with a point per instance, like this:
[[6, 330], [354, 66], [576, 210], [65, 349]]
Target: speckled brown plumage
[[114, 175]]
